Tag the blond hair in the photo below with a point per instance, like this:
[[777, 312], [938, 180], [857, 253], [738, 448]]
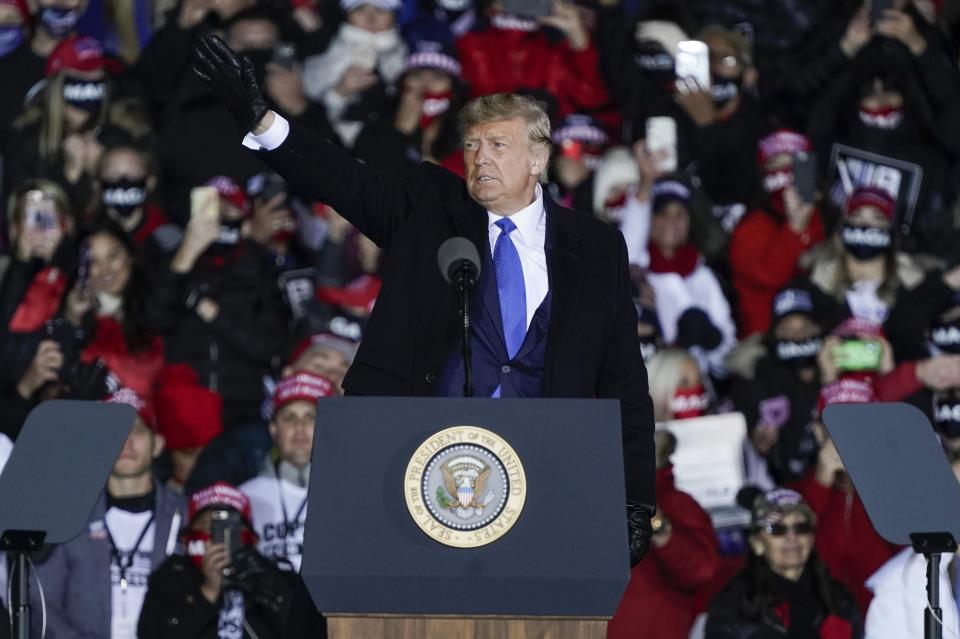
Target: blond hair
[[49, 111], [506, 106], [664, 371], [50, 190]]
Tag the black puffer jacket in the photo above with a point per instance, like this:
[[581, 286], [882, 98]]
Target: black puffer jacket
[[728, 617], [778, 397], [175, 607], [233, 352]]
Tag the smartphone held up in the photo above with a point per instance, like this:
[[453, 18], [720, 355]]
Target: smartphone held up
[[692, 66], [661, 142]]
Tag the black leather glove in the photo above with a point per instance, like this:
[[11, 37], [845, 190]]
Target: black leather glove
[[91, 381], [259, 579], [639, 529], [248, 566], [230, 76]]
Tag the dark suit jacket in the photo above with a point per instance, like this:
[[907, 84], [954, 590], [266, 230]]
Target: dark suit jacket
[[592, 345]]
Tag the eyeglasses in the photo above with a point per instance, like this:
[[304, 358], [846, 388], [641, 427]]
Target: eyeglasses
[[725, 61], [781, 530]]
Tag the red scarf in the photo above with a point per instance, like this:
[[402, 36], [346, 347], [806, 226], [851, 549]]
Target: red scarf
[[683, 262]]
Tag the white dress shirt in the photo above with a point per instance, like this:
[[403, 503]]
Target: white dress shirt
[[529, 238], [271, 138]]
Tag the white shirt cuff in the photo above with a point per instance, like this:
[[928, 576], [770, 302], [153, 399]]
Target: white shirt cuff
[[271, 138]]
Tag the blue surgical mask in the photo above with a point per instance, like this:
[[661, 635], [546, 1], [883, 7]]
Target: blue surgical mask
[[10, 38], [59, 22]]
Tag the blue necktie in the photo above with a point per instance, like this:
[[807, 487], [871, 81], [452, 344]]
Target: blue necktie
[[513, 295]]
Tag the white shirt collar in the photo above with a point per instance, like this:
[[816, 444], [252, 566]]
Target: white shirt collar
[[526, 219]]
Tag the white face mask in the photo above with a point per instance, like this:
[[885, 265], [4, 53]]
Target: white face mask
[[382, 41], [108, 303]]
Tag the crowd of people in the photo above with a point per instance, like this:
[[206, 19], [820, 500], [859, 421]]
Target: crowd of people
[[790, 219]]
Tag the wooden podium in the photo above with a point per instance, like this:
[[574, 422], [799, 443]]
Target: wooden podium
[[377, 570], [373, 627]]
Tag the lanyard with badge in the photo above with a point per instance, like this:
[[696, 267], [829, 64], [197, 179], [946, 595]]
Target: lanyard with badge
[[288, 524], [124, 560]]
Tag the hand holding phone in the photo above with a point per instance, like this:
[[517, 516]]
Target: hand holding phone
[[203, 228], [693, 66], [83, 267], [661, 143], [204, 202], [805, 176], [225, 529], [41, 229], [858, 355]]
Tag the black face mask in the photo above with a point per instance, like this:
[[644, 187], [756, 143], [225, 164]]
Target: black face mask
[[87, 95], [946, 336], [655, 64], [59, 22], [123, 196], [866, 242], [229, 231], [798, 354], [259, 59], [946, 413], [722, 90]]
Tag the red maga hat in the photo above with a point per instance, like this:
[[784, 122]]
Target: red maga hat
[[871, 196], [80, 53], [219, 495], [302, 386]]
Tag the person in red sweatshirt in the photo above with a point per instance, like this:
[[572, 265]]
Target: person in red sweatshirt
[[766, 246], [515, 53], [846, 540], [683, 556]]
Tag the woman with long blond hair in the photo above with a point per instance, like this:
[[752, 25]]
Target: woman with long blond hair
[[58, 136]]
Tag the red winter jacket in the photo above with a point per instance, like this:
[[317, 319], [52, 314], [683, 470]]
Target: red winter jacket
[[659, 600], [501, 60], [764, 257], [40, 302], [846, 540]]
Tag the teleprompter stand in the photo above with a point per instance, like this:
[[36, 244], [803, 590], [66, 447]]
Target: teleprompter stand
[[902, 476], [52, 481]]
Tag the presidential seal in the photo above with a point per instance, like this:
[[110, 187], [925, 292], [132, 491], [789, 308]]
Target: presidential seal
[[465, 486]]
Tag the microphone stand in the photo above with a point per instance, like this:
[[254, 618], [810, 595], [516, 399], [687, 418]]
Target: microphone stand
[[465, 283]]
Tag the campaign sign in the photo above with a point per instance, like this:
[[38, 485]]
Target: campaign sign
[[852, 168], [708, 462]]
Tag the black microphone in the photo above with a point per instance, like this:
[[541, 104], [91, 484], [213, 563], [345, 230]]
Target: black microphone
[[459, 263]]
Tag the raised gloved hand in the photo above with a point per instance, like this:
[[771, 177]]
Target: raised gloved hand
[[230, 75], [639, 529]]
